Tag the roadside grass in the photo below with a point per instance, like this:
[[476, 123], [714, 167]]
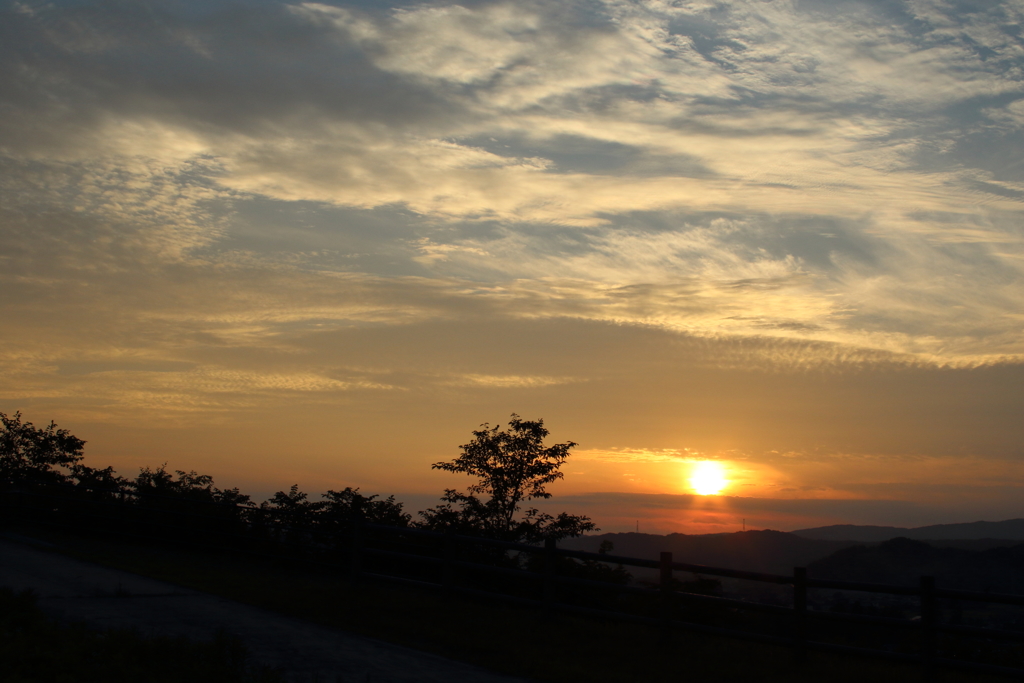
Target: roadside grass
[[35, 648], [494, 635]]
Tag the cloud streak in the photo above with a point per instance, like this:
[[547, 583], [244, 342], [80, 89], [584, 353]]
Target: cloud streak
[[751, 133], [584, 206]]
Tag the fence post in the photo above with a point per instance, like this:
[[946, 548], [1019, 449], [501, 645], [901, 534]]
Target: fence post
[[665, 567], [929, 618], [800, 614], [355, 559], [550, 558]]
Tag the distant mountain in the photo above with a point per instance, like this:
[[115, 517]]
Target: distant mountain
[[1011, 529], [774, 552], [904, 561]]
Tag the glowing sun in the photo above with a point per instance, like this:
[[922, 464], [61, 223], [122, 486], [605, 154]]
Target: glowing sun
[[708, 477]]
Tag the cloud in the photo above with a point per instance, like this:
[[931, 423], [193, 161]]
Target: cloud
[[634, 455], [738, 227], [537, 72], [511, 381]]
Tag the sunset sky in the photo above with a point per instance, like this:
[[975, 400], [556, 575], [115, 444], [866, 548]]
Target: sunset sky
[[320, 243]]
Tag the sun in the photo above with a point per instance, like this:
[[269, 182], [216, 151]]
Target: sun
[[708, 477]]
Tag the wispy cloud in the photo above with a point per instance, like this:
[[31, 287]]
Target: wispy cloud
[[797, 126], [600, 207]]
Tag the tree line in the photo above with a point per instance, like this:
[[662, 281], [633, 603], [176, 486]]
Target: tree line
[[510, 467]]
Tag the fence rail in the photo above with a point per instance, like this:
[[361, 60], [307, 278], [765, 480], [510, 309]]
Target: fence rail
[[414, 547]]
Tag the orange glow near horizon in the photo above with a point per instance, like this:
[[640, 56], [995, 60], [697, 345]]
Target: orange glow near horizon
[[707, 478]]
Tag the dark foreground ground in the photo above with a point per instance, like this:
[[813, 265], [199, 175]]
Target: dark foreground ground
[[73, 590], [320, 627]]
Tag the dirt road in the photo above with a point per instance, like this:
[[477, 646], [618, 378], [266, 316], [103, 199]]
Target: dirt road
[[108, 598]]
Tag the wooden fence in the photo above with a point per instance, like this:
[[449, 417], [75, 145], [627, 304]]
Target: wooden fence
[[797, 616], [392, 551]]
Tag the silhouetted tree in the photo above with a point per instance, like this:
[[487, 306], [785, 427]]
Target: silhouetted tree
[[159, 484], [104, 484], [187, 503], [327, 521], [339, 508], [512, 466], [292, 513], [32, 456]]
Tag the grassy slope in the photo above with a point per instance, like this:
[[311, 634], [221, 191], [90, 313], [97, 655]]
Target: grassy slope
[[501, 638], [35, 648]]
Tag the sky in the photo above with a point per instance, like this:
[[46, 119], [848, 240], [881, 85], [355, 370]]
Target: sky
[[320, 243]]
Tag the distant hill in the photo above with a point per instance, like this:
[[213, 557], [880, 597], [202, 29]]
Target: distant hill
[[774, 552], [1011, 529], [904, 561]]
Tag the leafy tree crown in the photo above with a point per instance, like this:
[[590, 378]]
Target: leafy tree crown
[[511, 466], [36, 455]]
